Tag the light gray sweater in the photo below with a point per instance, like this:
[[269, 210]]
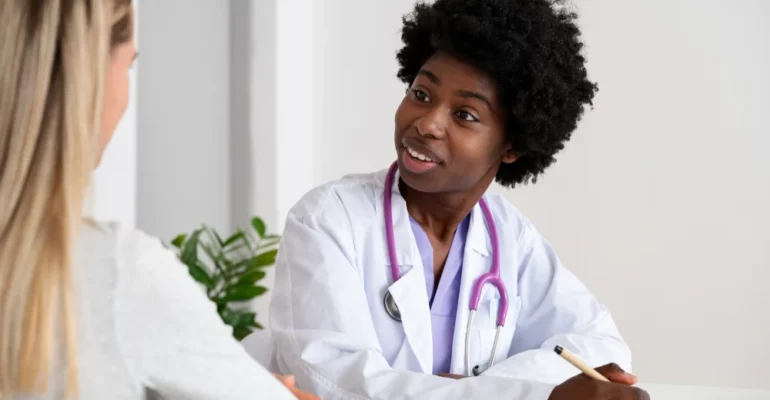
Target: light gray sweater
[[147, 330]]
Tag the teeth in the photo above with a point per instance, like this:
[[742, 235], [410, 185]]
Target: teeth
[[419, 156]]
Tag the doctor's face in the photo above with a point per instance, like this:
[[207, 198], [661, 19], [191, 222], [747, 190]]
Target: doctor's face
[[450, 133]]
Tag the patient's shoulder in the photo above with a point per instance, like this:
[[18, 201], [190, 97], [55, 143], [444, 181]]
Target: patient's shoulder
[[106, 242]]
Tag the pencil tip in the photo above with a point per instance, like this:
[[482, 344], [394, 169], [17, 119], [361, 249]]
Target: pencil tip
[[558, 350]]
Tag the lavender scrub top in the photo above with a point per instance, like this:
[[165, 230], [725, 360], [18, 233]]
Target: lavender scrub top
[[443, 300]]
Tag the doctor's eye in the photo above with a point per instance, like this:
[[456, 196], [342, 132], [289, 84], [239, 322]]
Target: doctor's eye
[[419, 95], [466, 116]]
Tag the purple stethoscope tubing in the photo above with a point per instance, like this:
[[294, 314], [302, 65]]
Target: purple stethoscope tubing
[[492, 277]]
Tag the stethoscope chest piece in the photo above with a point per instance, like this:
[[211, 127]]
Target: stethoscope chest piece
[[391, 307]]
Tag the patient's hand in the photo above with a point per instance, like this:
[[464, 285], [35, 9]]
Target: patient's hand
[[288, 381], [582, 387]]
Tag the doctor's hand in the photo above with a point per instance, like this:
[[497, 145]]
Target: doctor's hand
[[288, 381], [582, 387]]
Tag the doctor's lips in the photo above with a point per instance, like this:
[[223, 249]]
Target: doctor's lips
[[420, 151]]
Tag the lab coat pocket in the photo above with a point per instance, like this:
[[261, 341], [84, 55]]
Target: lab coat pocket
[[488, 329]]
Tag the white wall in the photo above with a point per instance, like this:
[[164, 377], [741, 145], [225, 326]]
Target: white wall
[[659, 202], [356, 87], [184, 116]]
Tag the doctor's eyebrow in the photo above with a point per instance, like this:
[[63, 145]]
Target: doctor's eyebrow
[[462, 93], [473, 95], [430, 75]]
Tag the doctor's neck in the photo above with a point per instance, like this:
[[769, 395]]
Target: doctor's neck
[[439, 213]]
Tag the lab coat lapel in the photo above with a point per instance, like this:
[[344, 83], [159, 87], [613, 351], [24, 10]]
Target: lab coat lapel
[[409, 291], [476, 261]]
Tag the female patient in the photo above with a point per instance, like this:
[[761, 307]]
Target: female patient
[[90, 311]]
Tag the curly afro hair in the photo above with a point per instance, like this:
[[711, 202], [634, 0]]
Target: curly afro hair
[[532, 50]]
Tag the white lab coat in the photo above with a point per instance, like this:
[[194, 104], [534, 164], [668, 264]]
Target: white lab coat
[[329, 327]]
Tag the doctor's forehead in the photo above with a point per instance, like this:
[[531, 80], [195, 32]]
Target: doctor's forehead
[[444, 70]]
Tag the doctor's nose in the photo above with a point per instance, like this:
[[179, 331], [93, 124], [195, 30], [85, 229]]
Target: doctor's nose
[[432, 125]]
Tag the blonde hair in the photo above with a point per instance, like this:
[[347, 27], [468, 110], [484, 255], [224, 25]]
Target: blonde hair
[[52, 67]]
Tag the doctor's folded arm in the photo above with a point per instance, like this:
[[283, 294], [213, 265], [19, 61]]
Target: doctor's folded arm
[[388, 282], [330, 327]]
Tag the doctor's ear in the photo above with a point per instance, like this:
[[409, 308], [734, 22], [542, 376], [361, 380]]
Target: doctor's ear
[[510, 155]]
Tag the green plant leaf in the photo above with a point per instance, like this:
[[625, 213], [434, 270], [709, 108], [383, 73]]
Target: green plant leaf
[[219, 239], [247, 266], [230, 269], [236, 252], [190, 249], [199, 273], [267, 243], [247, 242], [242, 293], [232, 239], [216, 257], [179, 240], [265, 259], [245, 319], [237, 267], [250, 277], [239, 333], [212, 236], [209, 251], [237, 248], [259, 226]]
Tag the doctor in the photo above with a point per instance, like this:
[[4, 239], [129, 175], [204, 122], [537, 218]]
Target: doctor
[[388, 283]]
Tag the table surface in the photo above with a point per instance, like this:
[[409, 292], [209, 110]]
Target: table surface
[[683, 392]]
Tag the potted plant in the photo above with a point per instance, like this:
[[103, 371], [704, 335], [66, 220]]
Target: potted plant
[[230, 269]]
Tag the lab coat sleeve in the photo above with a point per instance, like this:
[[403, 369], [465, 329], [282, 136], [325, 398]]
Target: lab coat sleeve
[[323, 334], [557, 309]]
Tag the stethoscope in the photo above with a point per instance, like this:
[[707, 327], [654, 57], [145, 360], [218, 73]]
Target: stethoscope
[[491, 277]]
